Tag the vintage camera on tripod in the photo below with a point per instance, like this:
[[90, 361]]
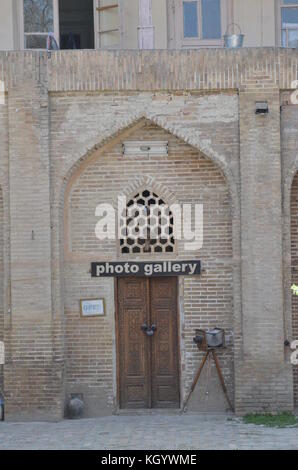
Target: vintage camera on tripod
[[210, 339]]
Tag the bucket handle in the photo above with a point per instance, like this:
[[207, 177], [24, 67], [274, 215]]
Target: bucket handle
[[232, 24]]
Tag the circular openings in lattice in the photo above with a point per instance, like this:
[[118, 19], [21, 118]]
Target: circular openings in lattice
[[146, 225]]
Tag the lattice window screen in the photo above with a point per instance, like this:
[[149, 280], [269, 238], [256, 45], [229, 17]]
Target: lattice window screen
[[147, 225]]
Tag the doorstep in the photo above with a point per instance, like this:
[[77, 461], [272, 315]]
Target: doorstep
[[152, 411]]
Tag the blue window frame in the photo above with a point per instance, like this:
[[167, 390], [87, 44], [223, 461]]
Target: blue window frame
[[202, 19], [289, 23]]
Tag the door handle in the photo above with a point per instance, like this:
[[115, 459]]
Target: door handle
[[149, 330]]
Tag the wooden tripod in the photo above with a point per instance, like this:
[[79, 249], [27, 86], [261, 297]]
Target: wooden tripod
[[214, 355], [2, 397]]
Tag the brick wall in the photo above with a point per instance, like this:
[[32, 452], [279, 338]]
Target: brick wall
[[32, 383], [264, 359], [1, 279], [294, 253], [61, 112], [196, 69], [4, 229], [289, 135], [205, 302]]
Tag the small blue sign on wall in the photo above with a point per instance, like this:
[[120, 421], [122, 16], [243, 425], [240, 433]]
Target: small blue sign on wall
[[92, 307]]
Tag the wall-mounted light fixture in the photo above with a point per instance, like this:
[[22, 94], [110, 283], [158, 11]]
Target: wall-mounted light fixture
[[262, 107], [145, 148]]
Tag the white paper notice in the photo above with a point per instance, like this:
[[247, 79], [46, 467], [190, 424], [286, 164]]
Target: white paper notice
[[2, 354]]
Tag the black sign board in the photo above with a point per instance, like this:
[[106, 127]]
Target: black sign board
[[146, 269]]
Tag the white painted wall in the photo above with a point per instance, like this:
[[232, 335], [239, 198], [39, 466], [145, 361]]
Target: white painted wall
[[6, 25], [256, 19], [159, 14], [131, 21]]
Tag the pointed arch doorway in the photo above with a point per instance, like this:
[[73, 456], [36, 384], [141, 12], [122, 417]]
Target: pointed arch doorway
[[184, 175], [147, 343]]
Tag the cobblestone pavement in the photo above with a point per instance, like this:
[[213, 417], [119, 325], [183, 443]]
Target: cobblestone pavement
[[147, 432]]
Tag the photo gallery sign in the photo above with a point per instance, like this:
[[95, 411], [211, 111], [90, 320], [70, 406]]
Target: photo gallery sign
[[146, 269]]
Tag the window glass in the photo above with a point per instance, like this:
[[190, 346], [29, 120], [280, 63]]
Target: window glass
[[290, 38], [35, 41], [290, 27], [38, 17], [290, 18], [211, 19], [190, 19], [290, 2]]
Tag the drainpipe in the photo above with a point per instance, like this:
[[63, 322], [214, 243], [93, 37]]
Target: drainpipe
[[145, 28]]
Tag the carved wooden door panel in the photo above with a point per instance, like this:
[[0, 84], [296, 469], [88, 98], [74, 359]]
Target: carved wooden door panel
[[134, 359], [164, 354], [148, 359]]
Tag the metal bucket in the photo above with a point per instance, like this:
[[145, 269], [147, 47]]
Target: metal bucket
[[233, 41], [52, 44]]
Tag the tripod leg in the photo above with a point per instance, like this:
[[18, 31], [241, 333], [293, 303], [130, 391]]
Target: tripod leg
[[196, 379], [222, 379]]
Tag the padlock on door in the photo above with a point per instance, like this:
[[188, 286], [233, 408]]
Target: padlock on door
[[149, 330]]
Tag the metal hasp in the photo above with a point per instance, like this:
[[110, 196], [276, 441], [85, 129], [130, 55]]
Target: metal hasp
[[149, 330]]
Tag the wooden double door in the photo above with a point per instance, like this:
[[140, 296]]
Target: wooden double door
[[148, 366]]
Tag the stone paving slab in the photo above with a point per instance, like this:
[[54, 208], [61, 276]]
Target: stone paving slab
[[147, 432]]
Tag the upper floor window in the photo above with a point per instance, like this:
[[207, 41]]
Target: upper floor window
[[202, 19], [71, 22], [39, 21], [198, 23], [289, 23]]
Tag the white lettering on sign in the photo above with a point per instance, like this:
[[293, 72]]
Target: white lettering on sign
[[2, 353], [163, 268]]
